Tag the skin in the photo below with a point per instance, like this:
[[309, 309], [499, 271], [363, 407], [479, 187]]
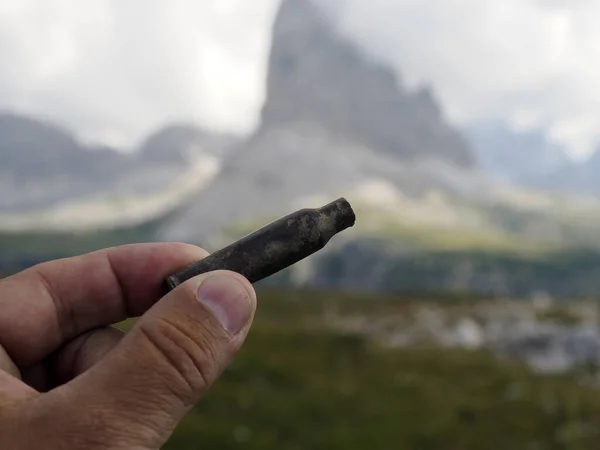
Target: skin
[[69, 380]]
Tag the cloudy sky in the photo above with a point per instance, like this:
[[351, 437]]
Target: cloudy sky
[[113, 70]]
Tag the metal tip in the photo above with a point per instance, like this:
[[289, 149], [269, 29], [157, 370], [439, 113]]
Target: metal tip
[[336, 217], [346, 216]]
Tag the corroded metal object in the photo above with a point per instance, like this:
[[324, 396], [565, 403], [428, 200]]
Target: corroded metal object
[[275, 246]]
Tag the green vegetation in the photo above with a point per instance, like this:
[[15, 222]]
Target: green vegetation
[[20, 250], [298, 385], [422, 260], [451, 239], [559, 315], [397, 256], [394, 256], [386, 267], [76, 243]]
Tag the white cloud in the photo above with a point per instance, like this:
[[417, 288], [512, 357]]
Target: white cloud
[[114, 70], [533, 62]]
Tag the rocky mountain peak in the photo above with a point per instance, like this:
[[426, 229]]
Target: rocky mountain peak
[[316, 75]]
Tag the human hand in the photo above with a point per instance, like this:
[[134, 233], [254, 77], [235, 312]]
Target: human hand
[[68, 380]]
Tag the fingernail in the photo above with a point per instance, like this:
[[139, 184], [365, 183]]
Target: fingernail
[[228, 300]]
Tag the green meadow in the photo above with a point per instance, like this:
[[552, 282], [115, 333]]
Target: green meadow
[[298, 384]]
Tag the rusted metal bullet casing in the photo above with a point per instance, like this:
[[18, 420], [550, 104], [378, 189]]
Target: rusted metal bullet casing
[[276, 246]]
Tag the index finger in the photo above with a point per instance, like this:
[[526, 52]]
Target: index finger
[[51, 303]]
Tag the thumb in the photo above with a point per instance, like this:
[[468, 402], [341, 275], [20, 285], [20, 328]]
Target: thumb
[[171, 357]]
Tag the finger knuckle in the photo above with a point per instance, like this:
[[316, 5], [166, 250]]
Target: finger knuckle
[[189, 358]]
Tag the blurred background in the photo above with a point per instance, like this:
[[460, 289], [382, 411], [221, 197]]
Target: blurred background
[[461, 312]]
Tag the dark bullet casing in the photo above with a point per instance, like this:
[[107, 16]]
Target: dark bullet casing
[[276, 246]]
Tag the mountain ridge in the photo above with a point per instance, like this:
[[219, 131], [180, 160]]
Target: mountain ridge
[[45, 167], [528, 158], [303, 153], [318, 76]]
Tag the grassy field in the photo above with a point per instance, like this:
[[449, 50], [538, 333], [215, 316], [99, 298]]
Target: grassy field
[[21, 250], [298, 385]]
